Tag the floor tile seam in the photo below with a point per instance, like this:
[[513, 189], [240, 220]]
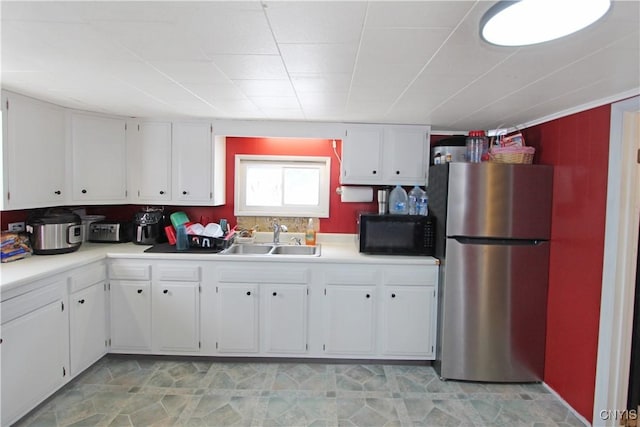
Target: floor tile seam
[[507, 412], [190, 408], [168, 390], [403, 412], [391, 378]]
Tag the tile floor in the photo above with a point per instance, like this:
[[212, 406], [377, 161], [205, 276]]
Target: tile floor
[[140, 391]]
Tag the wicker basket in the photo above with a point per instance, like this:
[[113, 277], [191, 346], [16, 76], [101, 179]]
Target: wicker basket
[[522, 155]]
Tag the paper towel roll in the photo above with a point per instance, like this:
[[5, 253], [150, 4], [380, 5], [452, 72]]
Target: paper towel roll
[[356, 194]]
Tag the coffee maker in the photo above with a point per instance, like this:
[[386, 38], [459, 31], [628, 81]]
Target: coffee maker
[[148, 226]]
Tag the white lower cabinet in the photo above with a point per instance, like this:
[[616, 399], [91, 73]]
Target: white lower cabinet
[[407, 320], [409, 311], [350, 319], [285, 318], [88, 326], [237, 318], [34, 349], [350, 299], [130, 315], [263, 311], [88, 302], [176, 316], [155, 308]]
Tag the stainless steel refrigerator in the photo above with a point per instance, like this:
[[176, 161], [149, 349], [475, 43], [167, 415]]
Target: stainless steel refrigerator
[[492, 239]]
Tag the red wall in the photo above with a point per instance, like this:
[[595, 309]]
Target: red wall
[[578, 147], [343, 216]]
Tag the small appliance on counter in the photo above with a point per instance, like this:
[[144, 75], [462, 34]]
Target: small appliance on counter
[[396, 234], [56, 231], [148, 226], [110, 232]]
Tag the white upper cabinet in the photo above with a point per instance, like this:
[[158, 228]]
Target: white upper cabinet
[[362, 155], [195, 152], [150, 164], [385, 155], [33, 152], [406, 155], [99, 159]]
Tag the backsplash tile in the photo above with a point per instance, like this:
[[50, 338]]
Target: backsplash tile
[[265, 223]]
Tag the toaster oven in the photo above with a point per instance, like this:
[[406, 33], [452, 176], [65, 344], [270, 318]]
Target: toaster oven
[[110, 231]]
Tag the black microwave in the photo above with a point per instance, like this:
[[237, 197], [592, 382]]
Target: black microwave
[[396, 234]]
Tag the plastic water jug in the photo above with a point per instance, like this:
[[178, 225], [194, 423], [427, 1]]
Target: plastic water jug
[[398, 201], [414, 195]]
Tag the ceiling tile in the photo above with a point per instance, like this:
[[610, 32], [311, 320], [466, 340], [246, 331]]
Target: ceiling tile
[[326, 82], [279, 102], [319, 58], [217, 92], [155, 41], [190, 72], [253, 88], [225, 29], [316, 22], [401, 46], [247, 67], [417, 14]]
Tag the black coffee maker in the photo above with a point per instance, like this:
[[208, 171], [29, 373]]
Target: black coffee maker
[[148, 226]]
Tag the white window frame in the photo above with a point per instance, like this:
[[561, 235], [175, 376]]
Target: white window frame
[[320, 211]]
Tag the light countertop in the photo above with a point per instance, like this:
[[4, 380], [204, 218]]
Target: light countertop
[[335, 248]]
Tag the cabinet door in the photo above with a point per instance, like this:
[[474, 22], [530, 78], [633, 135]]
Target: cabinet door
[[35, 163], [176, 316], [408, 320], [130, 315], [285, 318], [99, 159], [88, 326], [349, 319], [406, 158], [237, 315], [362, 155], [153, 162], [33, 359], [192, 156]]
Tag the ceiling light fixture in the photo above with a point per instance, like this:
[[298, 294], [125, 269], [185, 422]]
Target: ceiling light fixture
[[526, 22]]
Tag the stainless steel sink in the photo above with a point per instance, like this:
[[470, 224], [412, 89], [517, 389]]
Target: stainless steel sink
[[247, 249], [271, 250], [296, 250]]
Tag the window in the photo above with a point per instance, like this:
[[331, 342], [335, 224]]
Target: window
[[282, 186]]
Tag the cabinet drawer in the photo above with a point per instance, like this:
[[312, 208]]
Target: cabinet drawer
[[179, 273], [418, 276], [87, 276], [130, 271], [352, 276], [262, 275], [15, 307]]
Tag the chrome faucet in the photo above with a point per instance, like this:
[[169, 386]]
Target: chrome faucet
[[277, 228]]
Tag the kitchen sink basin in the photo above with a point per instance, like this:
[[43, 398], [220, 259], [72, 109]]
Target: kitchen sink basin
[[247, 249], [271, 250], [296, 250]]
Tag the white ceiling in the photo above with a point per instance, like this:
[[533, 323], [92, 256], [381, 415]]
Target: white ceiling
[[418, 62]]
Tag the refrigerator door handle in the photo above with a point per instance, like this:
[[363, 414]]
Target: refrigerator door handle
[[492, 241]]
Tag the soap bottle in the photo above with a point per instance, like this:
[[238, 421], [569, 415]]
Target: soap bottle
[[398, 201], [310, 234]]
